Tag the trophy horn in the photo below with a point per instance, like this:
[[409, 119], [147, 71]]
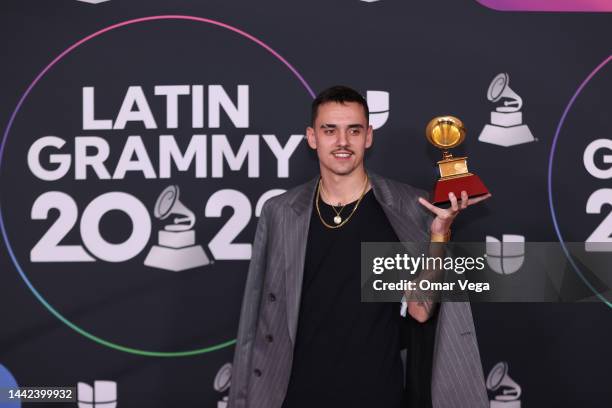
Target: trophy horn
[[446, 132]]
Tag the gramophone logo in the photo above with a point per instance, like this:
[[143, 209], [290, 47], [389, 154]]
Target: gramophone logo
[[505, 390], [378, 104], [177, 249], [507, 256], [506, 127], [222, 383]]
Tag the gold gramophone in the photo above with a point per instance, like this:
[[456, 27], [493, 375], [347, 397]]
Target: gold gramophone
[[446, 132]]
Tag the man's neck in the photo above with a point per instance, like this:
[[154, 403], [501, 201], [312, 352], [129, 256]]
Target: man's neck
[[343, 189]]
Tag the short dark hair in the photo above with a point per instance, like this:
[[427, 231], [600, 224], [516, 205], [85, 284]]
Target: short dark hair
[[339, 94]]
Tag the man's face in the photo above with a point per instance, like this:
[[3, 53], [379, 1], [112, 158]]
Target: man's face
[[340, 136]]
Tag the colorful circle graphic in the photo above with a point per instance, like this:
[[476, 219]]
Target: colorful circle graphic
[[42, 73]]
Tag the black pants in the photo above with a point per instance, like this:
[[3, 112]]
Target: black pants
[[418, 339]]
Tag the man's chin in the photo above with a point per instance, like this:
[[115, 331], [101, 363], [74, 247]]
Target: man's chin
[[342, 170]]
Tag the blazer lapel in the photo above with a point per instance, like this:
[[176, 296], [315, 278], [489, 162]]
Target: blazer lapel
[[296, 220], [404, 223]]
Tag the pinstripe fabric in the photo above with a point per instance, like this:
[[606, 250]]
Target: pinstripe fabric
[[270, 308]]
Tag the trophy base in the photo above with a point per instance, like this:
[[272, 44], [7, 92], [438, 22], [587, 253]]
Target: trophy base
[[469, 182], [176, 259]]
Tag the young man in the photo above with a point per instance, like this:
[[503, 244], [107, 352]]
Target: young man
[[305, 339]]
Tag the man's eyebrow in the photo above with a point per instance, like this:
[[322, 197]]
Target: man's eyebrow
[[333, 126]]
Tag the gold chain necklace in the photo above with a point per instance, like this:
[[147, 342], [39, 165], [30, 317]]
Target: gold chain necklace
[[338, 217], [340, 223]]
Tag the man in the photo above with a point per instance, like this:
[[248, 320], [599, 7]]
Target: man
[[305, 339]]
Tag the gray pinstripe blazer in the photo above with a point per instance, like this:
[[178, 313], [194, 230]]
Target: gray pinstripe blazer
[[270, 307]]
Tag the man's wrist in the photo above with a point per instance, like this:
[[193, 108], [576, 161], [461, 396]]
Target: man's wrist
[[435, 237]]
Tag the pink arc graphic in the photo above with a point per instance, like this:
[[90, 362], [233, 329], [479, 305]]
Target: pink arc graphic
[[549, 5]]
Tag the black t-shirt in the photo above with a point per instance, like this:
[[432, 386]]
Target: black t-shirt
[[347, 353]]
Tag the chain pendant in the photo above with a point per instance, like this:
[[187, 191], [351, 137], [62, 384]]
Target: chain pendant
[[337, 219]]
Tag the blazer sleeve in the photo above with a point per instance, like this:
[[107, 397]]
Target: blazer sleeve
[[249, 314], [426, 216]]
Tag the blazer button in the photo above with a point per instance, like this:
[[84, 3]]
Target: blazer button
[[272, 297], [269, 338], [257, 372]]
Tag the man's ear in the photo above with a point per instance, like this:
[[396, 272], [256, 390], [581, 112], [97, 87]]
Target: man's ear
[[310, 137], [369, 136]]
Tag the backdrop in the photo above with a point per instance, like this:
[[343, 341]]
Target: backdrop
[[140, 140]]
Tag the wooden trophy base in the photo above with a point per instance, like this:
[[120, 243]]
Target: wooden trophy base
[[468, 182]]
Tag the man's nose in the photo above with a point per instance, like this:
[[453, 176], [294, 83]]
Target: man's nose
[[342, 137]]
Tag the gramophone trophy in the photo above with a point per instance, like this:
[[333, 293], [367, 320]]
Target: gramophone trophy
[[446, 132], [177, 249]]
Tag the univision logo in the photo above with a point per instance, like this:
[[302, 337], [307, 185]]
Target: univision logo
[[103, 394], [378, 104], [507, 256]]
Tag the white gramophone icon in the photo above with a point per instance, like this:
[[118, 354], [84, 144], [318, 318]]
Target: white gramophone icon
[[506, 127], [222, 383], [510, 390], [177, 250]]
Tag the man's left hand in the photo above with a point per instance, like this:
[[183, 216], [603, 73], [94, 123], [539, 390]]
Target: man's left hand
[[445, 216]]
